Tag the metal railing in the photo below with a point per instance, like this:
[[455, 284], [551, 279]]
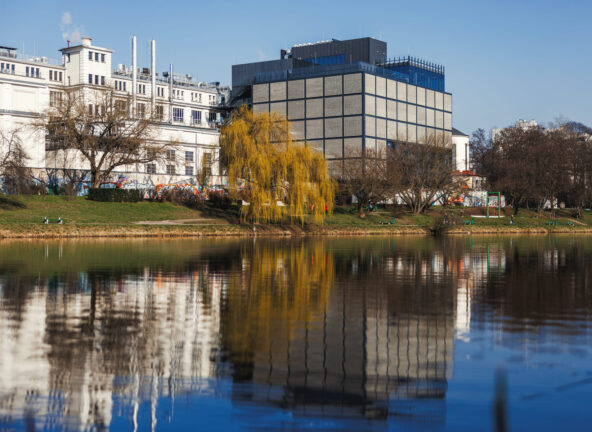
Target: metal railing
[[14, 55]]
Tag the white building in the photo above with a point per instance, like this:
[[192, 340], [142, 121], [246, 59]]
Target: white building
[[460, 151], [520, 124], [189, 109]]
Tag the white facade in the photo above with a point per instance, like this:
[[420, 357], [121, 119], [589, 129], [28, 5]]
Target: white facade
[[188, 108], [461, 151]]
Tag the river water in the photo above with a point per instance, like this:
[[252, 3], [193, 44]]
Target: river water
[[399, 333]]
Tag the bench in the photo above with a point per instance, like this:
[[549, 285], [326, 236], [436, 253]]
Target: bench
[[469, 222], [47, 220], [384, 222], [552, 222], [570, 223]]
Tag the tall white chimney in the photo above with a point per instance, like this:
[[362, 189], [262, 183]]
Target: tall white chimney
[[171, 92], [153, 70], [134, 74]]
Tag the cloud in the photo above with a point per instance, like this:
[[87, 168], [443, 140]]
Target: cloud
[[261, 55], [66, 19], [69, 31]]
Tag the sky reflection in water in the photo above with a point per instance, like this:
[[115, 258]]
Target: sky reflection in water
[[345, 334]]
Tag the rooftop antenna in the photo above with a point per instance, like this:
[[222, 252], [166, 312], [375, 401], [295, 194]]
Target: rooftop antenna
[[68, 43]]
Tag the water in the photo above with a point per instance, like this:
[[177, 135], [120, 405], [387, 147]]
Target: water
[[400, 333]]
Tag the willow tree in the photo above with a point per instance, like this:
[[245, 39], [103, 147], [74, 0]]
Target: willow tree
[[281, 180]]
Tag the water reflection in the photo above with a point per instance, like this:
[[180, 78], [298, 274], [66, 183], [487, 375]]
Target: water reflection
[[109, 333]]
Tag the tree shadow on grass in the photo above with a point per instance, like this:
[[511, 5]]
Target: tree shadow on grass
[[10, 203]]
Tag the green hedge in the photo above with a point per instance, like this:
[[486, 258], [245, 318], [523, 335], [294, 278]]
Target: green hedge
[[114, 195]]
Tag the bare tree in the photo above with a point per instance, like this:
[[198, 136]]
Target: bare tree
[[420, 174], [104, 130], [364, 177], [13, 170]]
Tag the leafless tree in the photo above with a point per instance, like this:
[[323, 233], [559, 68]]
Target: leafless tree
[[420, 174], [13, 170], [364, 177], [104, 130]]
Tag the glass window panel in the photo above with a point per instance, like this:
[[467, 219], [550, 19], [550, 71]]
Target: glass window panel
[[381, 107], [314, 87], [402, 131], [260, 93], [401, 91], [370, 83], [370, 104], [380, 86], [277, 91], [333, 106], [314, 129], [296, 89], [411, 93], [352, 83], [352, 126], [314, 108], [333, 148], [296, 109], [333, 85], [370, 126], [391, 89], [411, 114], [333, 127], [421, 96], [391, 130], [401, 111], [352, 104], [391, 109]]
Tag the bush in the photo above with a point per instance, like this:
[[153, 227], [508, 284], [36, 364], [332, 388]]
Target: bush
[[219, 199], [114, 195]]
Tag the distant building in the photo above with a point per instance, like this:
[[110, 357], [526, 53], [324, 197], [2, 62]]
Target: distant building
[[461, 156], [343, 96], [521, 124]]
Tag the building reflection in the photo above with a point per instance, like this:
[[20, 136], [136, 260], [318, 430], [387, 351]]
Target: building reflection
[[365, 341], [365, 329]]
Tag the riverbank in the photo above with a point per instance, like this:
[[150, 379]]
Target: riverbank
[[22, 217]]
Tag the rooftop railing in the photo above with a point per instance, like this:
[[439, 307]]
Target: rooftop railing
[[314, 71], [195, 85], [14, 55], [411, 61]]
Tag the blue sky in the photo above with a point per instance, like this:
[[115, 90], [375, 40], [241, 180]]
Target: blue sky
[[504, 59]]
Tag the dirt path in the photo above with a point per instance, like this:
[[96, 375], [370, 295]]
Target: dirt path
[[201, 221]]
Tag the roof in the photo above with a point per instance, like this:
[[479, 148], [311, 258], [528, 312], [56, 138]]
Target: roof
[[457, 132]]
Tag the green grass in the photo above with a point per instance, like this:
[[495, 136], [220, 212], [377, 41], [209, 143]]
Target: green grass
[[31, 209]]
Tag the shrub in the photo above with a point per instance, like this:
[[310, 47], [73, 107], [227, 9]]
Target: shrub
[[219, 199], [114, 195]]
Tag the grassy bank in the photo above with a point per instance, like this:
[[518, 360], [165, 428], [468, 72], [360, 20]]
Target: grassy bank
[[22, 217]]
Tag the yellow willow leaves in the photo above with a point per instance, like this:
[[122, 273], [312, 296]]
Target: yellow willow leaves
[[266, 167], [281, 289]]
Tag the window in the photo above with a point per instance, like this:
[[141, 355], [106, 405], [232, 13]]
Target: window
[[142, 88], [188, 156], [207, 164], [96, 79], [68, 57], [150, 168], [102, 80], [27, 73], [160, 91], [51, 75], [170, 169], [188, 170], [170, 154], [54, 98], [141, 109], [37, 72], [159, 112], [195, 117], [124, 89], [200, 97], [178, 114], [102, 58], [97, 56], [90, 78], [90, 55], [60, 76], [212, 117], [90, 110]]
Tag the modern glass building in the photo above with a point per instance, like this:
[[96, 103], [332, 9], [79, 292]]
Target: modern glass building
[[346, 95]]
